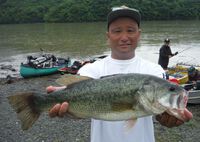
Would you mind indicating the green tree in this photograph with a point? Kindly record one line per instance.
(30, 11)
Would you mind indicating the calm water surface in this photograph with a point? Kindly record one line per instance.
(83, 40)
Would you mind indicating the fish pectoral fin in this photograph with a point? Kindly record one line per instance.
(71, 79)
(121, 106)
(129, 124)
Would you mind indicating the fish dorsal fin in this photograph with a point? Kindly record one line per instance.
(107, 76)
(71, 79)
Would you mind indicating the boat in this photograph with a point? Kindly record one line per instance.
(179, 78)
(73, 69)
(76, 65)
(193, 92)
(44, 65)
(180, 72)
(181, 67)
(194, 97)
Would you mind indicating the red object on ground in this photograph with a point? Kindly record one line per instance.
(68, 70)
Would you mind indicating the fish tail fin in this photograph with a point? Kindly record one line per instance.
(26, 109)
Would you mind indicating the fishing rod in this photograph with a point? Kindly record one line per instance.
(179, 51)
(184, 50)
(187, 63)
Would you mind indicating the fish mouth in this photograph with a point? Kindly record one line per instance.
(175, 100)
(177, 104)
(178, 113)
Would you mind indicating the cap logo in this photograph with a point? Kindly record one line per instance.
(119, 8)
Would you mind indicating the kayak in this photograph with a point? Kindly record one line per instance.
(34, 68)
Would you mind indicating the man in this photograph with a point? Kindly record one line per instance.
(123, 34)
(193, 74)
(164, 54)
(194, 78)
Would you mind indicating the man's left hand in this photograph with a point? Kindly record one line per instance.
(170, 121)
(175, 53)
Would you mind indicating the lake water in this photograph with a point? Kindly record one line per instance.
(84, 40)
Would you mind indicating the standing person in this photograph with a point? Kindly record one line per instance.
(123, 34)
(164, 54)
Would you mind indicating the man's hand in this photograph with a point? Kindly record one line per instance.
(170, 121)
(175, 53)
(50, 89)
(59, 109)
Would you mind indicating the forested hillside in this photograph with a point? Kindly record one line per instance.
(31, 11)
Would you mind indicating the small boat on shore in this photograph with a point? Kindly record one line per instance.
(44, 65)
(76, 65)
(180, 78)
(73, 69)
(194, 97)
(180, 72)
(193, 92)
(182, 68)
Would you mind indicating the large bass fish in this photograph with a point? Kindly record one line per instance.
(112, 98)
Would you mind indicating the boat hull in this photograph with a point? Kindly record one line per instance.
(194, 97)
(26, 71)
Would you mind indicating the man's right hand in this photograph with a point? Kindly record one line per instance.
(59, 109)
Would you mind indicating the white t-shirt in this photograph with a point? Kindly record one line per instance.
(109, 131)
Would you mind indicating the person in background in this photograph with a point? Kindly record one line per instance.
(193, 75)
(123, 34)
(193, 82)
(164, 54)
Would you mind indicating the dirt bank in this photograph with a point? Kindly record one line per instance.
(69, 130)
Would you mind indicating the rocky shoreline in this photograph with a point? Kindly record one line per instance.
(70, 130)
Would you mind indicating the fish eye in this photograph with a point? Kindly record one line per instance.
(171, 88)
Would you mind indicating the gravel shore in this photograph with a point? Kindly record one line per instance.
(70, 130)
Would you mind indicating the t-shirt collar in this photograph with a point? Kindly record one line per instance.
(122, 61)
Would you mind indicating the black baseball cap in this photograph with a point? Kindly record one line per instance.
(167, 40)
(123, 11)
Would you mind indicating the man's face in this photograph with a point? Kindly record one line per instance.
(166, 43)
(123, 36)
